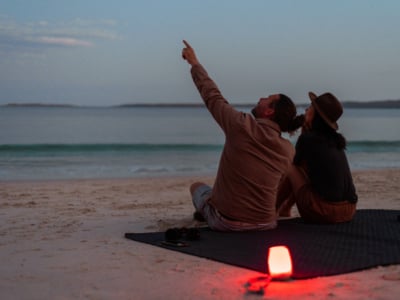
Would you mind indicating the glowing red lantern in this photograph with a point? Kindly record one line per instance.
(279, 263)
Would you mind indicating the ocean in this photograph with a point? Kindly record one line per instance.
(43, 143)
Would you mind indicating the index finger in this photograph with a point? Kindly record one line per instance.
(187, 44)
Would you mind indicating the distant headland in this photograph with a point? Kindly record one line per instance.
(347, 104)
(38, 105)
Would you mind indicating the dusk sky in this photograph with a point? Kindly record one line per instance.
(98, 52)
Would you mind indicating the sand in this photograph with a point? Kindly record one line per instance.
(64, 240)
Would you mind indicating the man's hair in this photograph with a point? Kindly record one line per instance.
(286, 114)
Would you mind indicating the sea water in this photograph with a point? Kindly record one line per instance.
(41, 143)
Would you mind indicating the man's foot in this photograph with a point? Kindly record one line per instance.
(198, 217)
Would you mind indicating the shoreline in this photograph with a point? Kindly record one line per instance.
(207, 175)
(63, 239)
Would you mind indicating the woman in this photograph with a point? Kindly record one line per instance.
(320, 182)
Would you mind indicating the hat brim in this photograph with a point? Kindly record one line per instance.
(313, 97)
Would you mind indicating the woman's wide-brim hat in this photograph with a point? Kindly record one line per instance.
(329, 108)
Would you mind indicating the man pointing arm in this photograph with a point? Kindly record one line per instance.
(254, 159)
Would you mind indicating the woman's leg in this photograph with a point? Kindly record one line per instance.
(284, 199)
(295, 179)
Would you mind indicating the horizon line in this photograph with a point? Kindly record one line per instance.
(347, 103)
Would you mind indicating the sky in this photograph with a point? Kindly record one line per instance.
(98, 52)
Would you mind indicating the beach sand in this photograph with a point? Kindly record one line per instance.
(65, 240)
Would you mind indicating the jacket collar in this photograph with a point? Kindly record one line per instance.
(270, 124)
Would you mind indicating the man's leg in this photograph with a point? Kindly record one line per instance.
(194, 187)
(200, 192)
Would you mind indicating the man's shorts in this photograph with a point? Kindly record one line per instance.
(201, 201)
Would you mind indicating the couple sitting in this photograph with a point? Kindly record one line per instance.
(261, 175)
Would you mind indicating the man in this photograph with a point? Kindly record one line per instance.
(254, 159)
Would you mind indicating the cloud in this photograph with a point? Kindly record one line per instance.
(43, 35)
(63, 41)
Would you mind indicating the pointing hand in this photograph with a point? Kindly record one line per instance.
(189, 55)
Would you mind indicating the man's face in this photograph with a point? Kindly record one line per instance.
(264, 107)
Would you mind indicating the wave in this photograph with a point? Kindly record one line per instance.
(373, 146)
(21, 149)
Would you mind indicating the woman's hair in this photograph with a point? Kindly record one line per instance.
(286, 115)
(320, 126)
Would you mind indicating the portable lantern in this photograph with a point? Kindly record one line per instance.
(279, 263)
